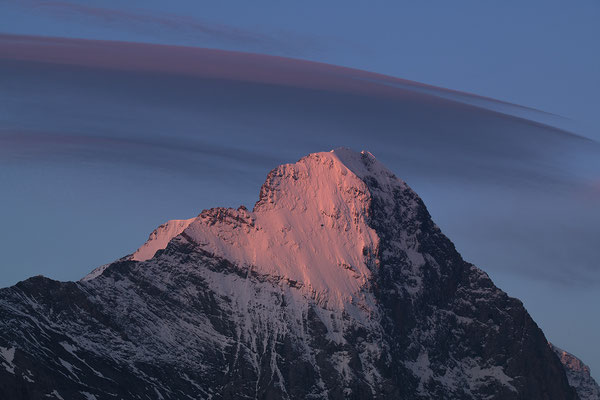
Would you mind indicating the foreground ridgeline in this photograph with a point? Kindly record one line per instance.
(337, 285)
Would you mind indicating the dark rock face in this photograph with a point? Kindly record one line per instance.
(458, 321)
(188, 324)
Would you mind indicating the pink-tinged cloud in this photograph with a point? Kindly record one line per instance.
(147, 95)
(229, 65)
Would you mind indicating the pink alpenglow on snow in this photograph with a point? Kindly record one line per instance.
(160, 237)
(308, 227)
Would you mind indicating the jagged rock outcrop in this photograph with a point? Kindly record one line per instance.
(338, 285)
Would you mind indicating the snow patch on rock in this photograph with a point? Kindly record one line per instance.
(95, 273)
(55, 394)
(8, 353)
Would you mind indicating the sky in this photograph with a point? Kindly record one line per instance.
(117, 117)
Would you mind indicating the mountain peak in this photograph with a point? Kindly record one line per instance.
(361, 164)
(309, 226)
(337, 165)
(338, 285)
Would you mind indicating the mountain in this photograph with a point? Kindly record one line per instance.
(578, 375)
(338, 285)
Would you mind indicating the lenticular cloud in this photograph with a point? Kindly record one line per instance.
(99, 97)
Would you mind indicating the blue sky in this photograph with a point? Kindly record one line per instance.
(93, 157)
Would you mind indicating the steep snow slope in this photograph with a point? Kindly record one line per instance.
(337, 285)
(160, 237)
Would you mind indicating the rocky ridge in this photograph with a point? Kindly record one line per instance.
(337, 285)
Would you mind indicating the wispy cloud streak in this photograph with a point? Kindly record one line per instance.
(187, 28)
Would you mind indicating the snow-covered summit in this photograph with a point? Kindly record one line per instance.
(309, 225)
(362, 164)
